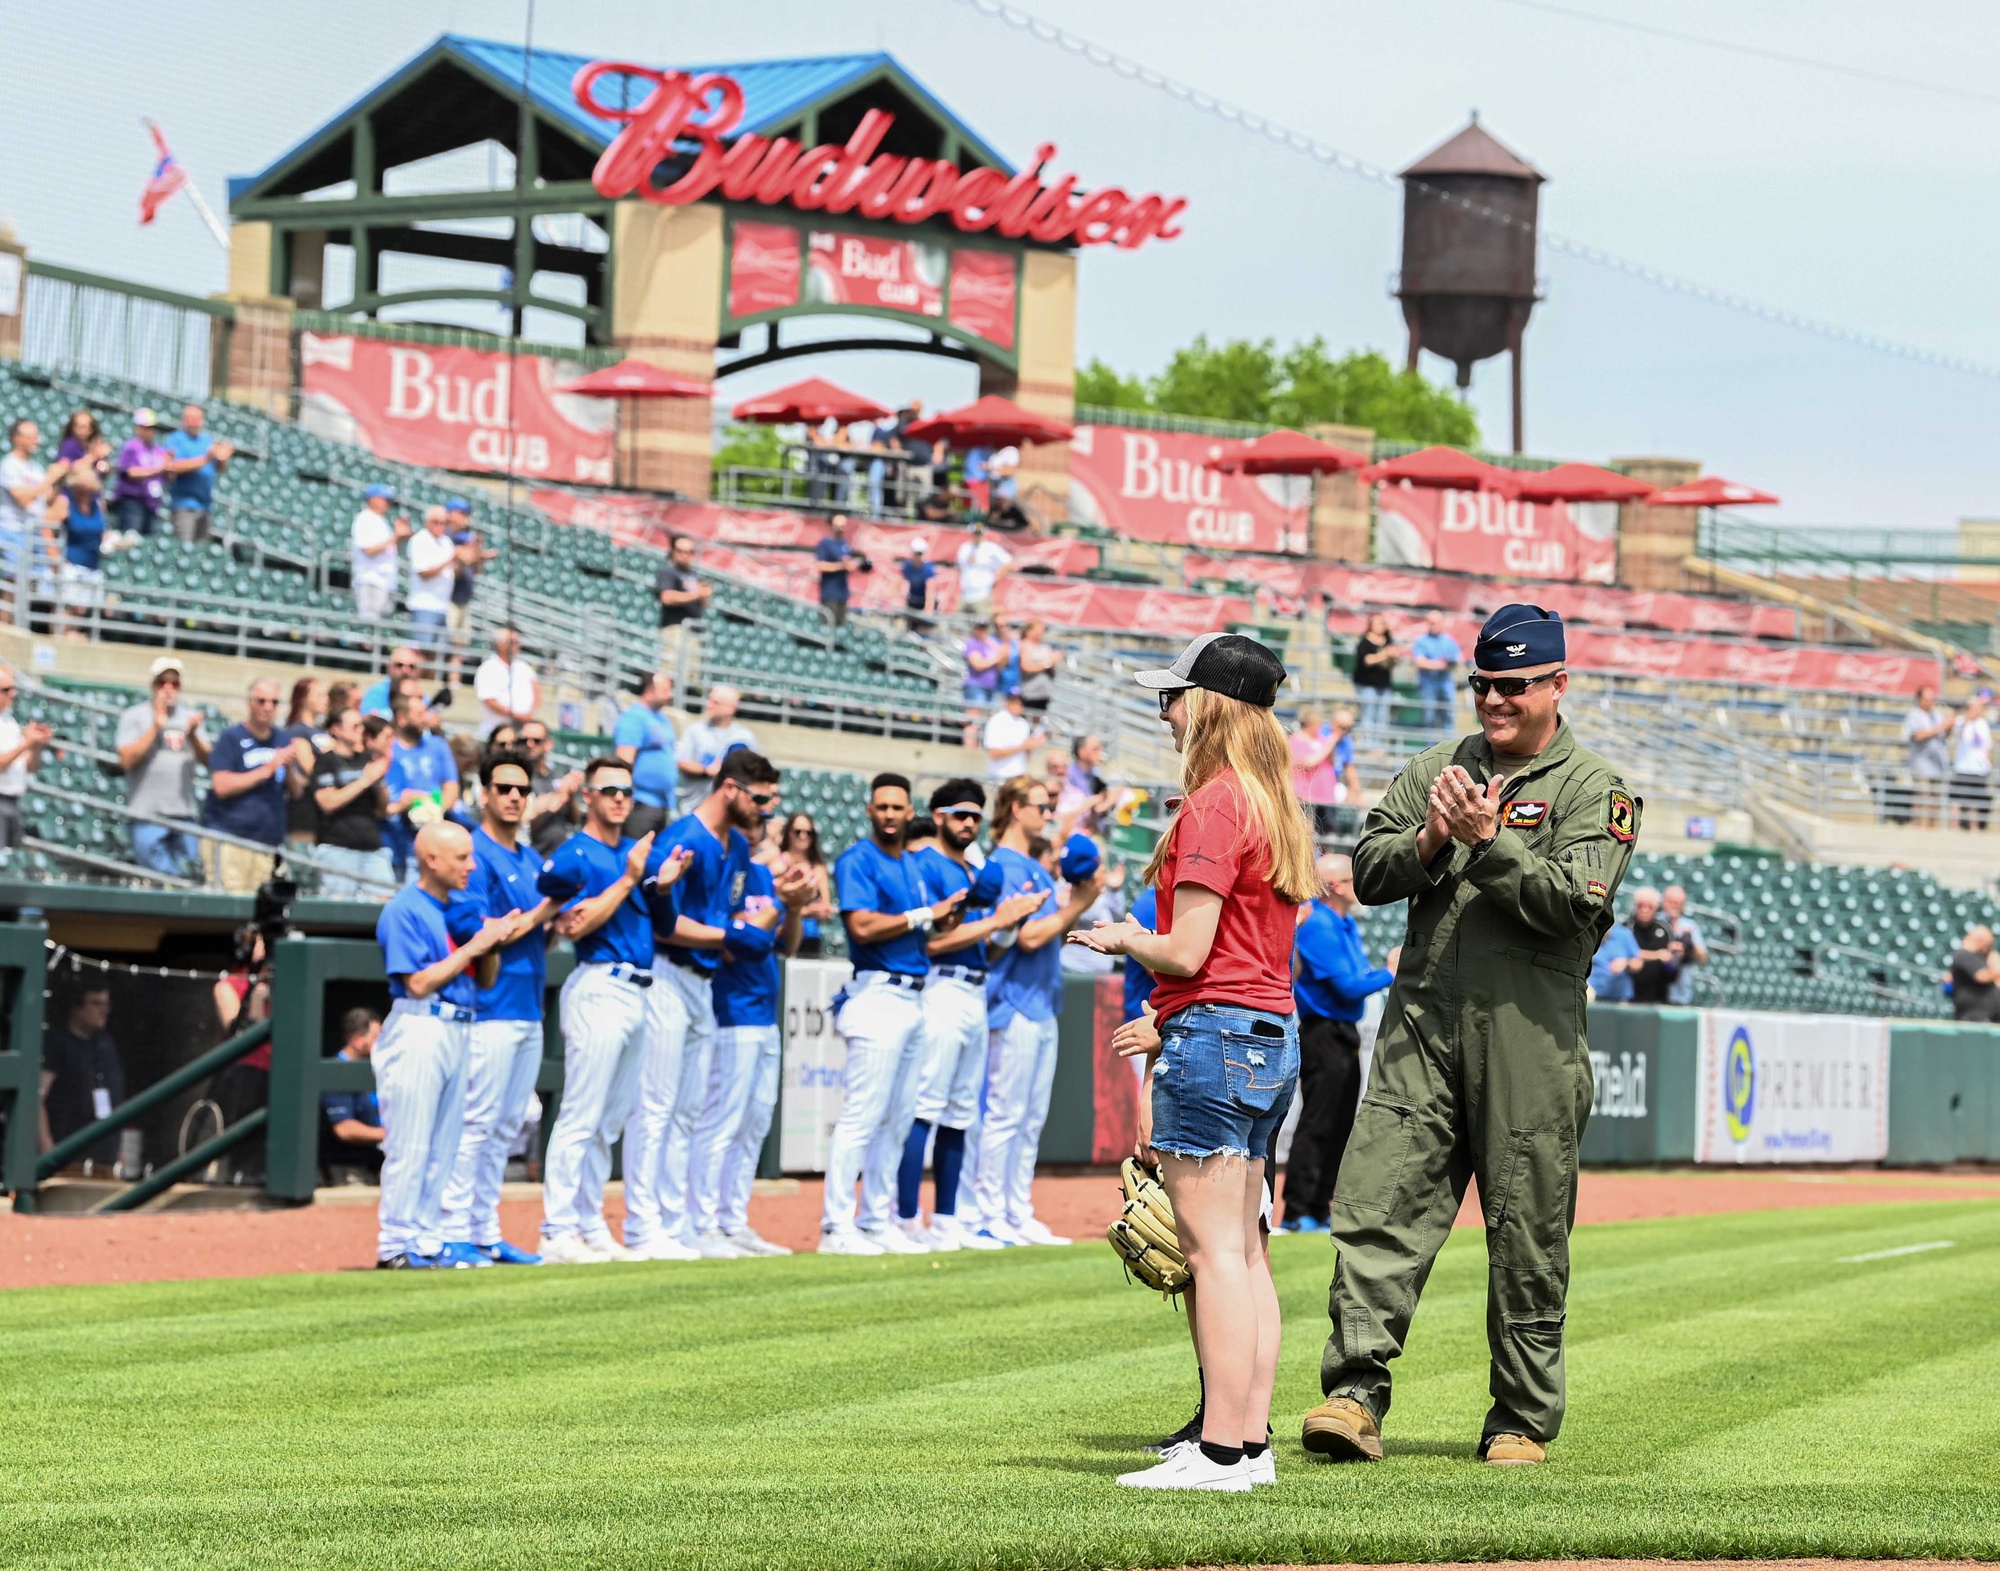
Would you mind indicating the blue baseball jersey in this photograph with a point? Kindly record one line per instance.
(710, 888)
(942, 876)
(416, 930)
(655, 771)
(362, 1106)
(1024, 981)
(867, 878)
(503, 882)
(746, 983)
(1138, 980)
(584, 865)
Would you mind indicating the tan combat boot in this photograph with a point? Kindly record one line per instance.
(1515, 1451)
(1342, 1430)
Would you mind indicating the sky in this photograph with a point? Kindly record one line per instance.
(1863, 202)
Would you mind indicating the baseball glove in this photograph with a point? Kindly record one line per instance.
(1143, 1237)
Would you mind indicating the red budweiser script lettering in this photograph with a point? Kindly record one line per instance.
(705, 110)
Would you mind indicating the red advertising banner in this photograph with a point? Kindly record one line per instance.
(1482, 532)
(448, 408)
(897, 275)
(763, 267)
(1157, 485)
(983, 295)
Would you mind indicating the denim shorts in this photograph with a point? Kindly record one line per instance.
(1225, 1080)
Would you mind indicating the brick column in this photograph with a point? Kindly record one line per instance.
(13, 292)
(1046, 380)
(257, 366)
(666, 301)
(1340, 520)
(1654, 541)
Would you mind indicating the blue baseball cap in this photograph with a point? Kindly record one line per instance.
(458, 504)
(1080, 859)
(987, 885)
(385, 492)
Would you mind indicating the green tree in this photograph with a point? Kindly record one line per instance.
(750, 447)
(1237, 380)
(1098, 384)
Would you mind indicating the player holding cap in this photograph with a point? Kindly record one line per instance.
(507, 1033)
(600, 878)
(880, 1013)
(430, 942)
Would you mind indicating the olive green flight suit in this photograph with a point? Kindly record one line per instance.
(1481, 1069)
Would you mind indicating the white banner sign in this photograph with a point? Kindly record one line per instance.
(814, 1064)
(1792, 1088)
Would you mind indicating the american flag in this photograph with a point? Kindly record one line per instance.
(168, 177)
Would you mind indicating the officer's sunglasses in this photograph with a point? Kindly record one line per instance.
(1506, 686)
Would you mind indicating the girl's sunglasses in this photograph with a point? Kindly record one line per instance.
(1505, 686)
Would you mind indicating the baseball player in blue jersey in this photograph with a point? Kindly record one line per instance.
(430, 942)
(680, 1047)
(1023, 996)
(953, 1069)
(598, 876)
(507, 1028)
(880, 1014)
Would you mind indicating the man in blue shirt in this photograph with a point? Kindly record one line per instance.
(644, 738)
(351, 1138)
(1611, 968)
(403, 662)
(430, 942)
(507, 1034)
(663, 1189)
(1332, 981)
(919, 573)
(1437, 657)
(832, 557)
(246, 789)
(422, 782)
(598, 876)
(953, 1070)
(888, 913)
(194, 462)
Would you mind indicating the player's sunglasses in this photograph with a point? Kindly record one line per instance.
(508, 788)
(1506, 686)
(972, 813)
(611, 790)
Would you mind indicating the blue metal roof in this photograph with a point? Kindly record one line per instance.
(774, 92)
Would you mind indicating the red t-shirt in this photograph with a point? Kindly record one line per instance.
(1217, 843)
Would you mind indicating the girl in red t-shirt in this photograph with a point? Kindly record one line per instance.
(1230, 873)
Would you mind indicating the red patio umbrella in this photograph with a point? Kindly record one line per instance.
(808, 403)
(636, 379)
(1714, 491)
(1442, 469)
(991, 421)
(1580, 483)
(1288, 453)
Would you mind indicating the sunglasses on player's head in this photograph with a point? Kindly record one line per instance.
(1506, 686)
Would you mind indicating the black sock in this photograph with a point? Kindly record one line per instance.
(1255, 1448)
(1222, 1456)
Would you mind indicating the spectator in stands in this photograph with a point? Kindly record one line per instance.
(800, 848)
(644, 740)
(142, 478)
(833, 557)
(919, 573)
(978, 480)
(1039, 659)
(1082, 797)
(985, 655)
(555, 809)
(1975, 977)
(351, 797)
(20, 756)
(83, 527)
(1374, 672)
(1972, 767)
(82, 1080)
(1315, 774)
(1612, 967)
(704, 743)
(875, 444)
(404, 662)
(305, 721)
(506, 685)
(1437, 657)
(83, 448)
(376, 538)
(1927, 730)
(1009, 737)
(911, 479)
(422, 780)
(246, 796)
(465, 753)
(471, 559)
(1691, 948)
(1657, 950)
(26, 491)
(351, 1151)
(195, 460)
(981, 562)
(159, 746)
(683, 606)
(433, 570)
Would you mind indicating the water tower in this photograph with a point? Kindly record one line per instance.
(1468, 279)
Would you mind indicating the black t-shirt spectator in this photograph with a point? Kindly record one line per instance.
(1366, 675)
(674, 581)
(301, 812)
(358, 825)
(547, 831)
(83, 1066)
(1651, 980)
(1972, 999)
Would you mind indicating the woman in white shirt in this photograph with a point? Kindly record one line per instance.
(1972, 767)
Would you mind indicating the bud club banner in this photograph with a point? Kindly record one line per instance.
(1157, 485)
(1481, 532)
(896, 275)
(1792, 1088)
(449, 408)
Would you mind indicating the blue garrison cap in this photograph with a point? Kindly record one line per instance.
(1518, 636)
(987, 885)
(1079, 859)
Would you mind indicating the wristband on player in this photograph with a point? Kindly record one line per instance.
(919, 918)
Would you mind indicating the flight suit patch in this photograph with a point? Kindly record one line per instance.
(1622, 821)
(1596, 888)
(1524, 815)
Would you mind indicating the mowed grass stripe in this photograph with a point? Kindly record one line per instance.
(1733, 1392)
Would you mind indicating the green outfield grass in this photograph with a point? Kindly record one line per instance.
(1734, 1391)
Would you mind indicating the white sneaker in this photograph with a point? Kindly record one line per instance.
(1185, 1467)
(749, 1241)
(1264, 1469)
(892, 1240)
(571, 1249)
(945, 1235)
(849, 1241)
(613, 1250)
(986, 1238)
(1036, 1231)
(666, 1247)
(714, 1244)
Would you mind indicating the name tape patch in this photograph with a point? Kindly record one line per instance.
(1524, 815)
(1623, 820)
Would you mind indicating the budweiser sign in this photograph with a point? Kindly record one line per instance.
(704, 110)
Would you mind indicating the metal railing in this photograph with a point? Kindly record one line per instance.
(79, 321)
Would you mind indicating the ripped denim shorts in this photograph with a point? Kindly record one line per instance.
(1224, 1081)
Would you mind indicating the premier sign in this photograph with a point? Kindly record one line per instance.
(705, 110)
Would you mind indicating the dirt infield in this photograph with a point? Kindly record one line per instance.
(338, 1233)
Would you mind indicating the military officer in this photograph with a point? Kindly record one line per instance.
(1508, 845)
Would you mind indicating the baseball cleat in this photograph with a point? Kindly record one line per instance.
(945, 1235)
(986, 1238)
(1036, 1231)
(393, 1263)
(892, 1240)
(1514, 1451)
(506, 1254)
(666, 1247)
(714, 1244)
(749, 1241)
(571, 1249)
(1187, 1468)
(848, 1241)
(1342, 1430)
(463, 1254)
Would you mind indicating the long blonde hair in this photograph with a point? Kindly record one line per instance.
(1226, 733)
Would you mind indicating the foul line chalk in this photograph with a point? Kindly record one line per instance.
(1886, 1254)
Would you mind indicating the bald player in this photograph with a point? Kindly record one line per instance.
(430, 945)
